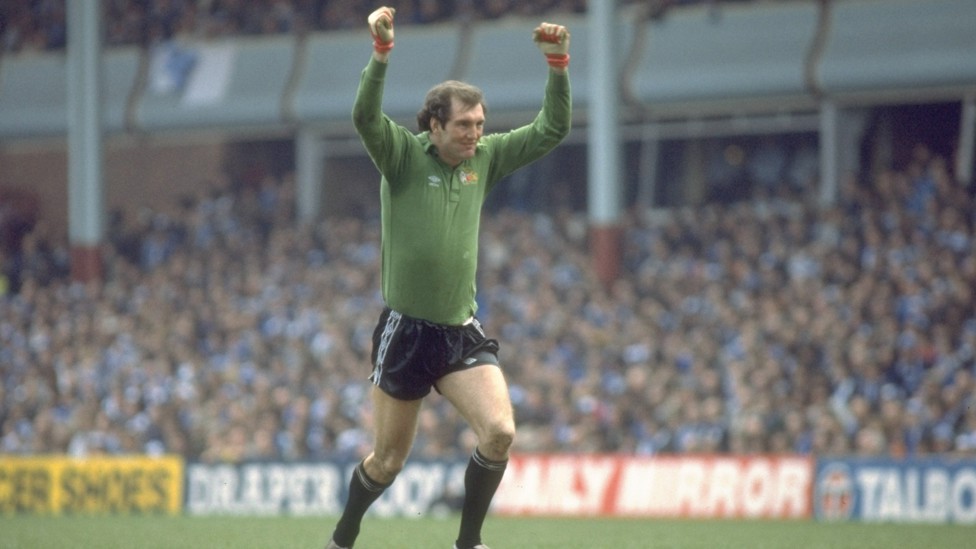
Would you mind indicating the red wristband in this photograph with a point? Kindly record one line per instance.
(379, 45)
(558, 60)
(382, 47)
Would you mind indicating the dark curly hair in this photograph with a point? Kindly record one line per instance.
(437, 104)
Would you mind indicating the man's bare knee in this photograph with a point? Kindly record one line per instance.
(384, 468)
(498, 440)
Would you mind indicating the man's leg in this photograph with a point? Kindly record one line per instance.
(395, 425)
(481, 396)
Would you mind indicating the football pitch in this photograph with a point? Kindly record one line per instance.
(148, 532)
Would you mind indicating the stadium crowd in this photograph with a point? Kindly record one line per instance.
(223, 330)
(40, 25)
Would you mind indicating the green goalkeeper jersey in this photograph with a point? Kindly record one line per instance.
(431, 211)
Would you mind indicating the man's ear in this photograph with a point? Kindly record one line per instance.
(435, 125)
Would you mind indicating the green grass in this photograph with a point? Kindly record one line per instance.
(108, 532)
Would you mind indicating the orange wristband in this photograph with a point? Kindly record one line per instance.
(558, 60)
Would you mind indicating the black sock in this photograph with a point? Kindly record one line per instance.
(481, 480)
(363, 491)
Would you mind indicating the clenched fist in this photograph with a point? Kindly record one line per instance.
(381, 27)
(553, 40)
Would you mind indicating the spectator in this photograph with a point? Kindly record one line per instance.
(752, 327)
(41, 25)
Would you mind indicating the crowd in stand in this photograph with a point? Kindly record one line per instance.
(223, 330)
(39, 25)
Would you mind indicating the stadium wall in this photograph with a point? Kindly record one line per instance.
(767, 56)
(138, 172)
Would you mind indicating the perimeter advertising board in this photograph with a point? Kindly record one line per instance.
(678, 486)
(781, 487)
(304, 489)
(65, 485)
(883, 490)
(566, 485)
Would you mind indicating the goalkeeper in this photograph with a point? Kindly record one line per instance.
(433, 185)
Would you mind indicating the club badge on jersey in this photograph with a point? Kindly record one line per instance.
(468, 177)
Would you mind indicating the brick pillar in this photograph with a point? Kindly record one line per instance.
(605, 251)
(86, 263)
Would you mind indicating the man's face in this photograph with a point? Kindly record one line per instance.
(457, 139)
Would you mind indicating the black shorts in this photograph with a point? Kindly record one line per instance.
(410, 354)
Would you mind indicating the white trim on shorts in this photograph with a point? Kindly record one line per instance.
(392, 323)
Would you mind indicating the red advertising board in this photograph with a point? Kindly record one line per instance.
(657, 486)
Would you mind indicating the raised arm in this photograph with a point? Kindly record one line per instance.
(532, 141)
(373, 127)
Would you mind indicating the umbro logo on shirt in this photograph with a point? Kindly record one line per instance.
(433, 181)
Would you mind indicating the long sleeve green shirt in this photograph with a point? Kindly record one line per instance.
(431, 211)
